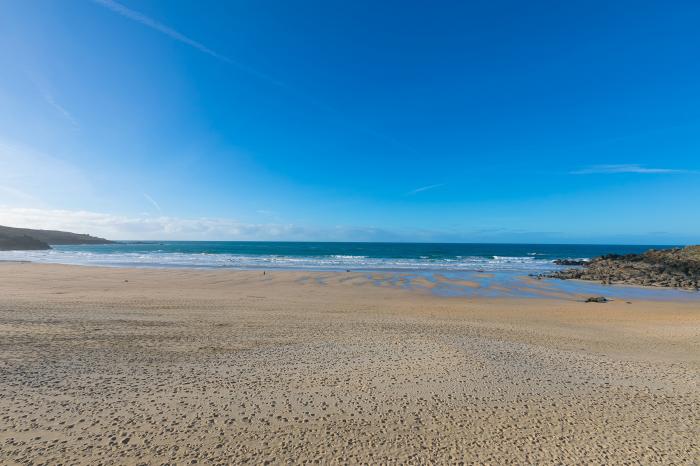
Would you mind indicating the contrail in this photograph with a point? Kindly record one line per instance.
(65, 113)
(625, 168)
(152, 201)
(178, 36)
(425, 188)
(43, 89)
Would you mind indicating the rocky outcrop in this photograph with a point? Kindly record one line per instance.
(677, 268)
(21, 243)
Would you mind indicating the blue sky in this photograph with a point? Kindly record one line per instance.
(321, 120)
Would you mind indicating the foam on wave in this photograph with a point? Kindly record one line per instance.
(237, 261)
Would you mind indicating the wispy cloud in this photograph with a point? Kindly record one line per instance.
(425, 188)
(162, 227)
(139, 226)
(153, 202)
(625, 168)
(147, 227)
(178, 36)
(16, 194)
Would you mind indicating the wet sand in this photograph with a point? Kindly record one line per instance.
(126, 366)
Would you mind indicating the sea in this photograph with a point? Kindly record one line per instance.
(325, 256)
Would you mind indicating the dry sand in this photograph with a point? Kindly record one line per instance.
(220, 367)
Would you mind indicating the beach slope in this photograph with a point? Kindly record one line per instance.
(125, 366)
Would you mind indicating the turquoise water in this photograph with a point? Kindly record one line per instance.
(530, 258)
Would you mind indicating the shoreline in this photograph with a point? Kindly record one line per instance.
(462, 284)
(146, 366)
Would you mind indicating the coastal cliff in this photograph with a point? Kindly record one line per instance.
(27, 239)
(676, 268)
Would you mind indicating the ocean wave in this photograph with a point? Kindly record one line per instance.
(158, 259)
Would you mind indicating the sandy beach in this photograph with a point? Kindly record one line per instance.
(138, 366)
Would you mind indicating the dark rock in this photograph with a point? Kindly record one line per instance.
(570, 262)
(597, 299)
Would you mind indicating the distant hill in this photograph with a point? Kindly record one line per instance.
(28, 239)
(21, 243)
